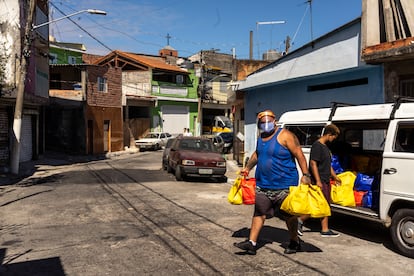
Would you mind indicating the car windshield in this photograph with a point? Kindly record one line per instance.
(196, 144)
(151, 135)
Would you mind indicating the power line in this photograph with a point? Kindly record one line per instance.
(80, 27)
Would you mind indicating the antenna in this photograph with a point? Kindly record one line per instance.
(257, 30)
(311, 19)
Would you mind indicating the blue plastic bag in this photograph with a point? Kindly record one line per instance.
(367, 200)
(363, 182)
(336, 165)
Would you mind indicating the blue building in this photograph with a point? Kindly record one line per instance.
(328, 69)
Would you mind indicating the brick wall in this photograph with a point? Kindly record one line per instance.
(113, 96)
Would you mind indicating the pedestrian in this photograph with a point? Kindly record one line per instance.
(321, 171)
(274, 158)
(187, 132)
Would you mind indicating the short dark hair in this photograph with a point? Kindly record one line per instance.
(332, 130)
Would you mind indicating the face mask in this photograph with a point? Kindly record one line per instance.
(267, 127)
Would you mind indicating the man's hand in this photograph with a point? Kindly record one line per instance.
(305, 180)
(244, 172)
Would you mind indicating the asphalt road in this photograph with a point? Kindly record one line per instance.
(126, 216)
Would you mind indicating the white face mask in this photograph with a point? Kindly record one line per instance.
(267, 127)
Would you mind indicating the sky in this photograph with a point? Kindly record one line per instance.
(142, 26)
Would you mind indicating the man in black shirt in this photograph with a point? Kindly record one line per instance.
(322, 171)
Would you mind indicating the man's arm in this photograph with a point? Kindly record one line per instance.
(250, 164)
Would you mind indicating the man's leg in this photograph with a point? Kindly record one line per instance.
(292, 225)
(257, 224)
(250, 245)
(294, 244)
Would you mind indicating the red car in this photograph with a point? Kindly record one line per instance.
(195, 156)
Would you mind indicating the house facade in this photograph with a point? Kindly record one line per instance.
(85, 111)
(36, 87)
(156, 95)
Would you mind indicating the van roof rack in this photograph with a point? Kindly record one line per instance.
(397, 102)
(334, 106)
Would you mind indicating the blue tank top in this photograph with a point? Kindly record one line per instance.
(276, 166)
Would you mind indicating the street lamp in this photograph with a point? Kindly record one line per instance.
(91, 11)
(17, 122)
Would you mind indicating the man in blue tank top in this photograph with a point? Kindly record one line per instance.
(277, 150)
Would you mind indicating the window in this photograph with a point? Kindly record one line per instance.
(102, 84)
(179, 79)
(336, 85)
(407, 87)
(307, 135)
(53, 58)
(405, 138)
(71, 60)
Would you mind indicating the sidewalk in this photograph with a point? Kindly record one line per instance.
(36, 169)
(50, 160)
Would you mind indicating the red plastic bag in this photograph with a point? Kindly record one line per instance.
(248, 186)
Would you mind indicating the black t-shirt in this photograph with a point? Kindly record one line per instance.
(322, 155)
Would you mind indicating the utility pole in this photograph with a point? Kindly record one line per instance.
(24, 60)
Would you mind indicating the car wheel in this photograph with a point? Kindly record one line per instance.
(178, 175)
(402, 231)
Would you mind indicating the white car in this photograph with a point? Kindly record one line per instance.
(153, 141)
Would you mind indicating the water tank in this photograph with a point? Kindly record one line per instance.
(271, 55)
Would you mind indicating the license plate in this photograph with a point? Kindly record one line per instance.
(205, 171)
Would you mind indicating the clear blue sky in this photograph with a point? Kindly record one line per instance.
(141, 26)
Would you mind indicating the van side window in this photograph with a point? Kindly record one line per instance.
(404, 141)
(307, 135)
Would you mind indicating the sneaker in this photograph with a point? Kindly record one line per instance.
(247, 246)
(293, 247)
(300, 228)
(329, 234)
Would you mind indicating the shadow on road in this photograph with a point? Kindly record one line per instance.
(270, 234)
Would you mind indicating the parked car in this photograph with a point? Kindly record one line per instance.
(228, 141)
(166, 153)
(195, 156)
(153, 141)
(218, 142)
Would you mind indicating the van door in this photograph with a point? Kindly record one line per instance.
(397, 187)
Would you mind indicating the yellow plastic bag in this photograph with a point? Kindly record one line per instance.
(235, 194)
(344, 194)
(319, 207)
(297, 202)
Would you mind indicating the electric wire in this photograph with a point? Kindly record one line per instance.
(83, 29)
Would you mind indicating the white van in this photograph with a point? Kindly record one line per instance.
(376, 140)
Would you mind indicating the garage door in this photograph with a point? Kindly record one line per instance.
(175, 118)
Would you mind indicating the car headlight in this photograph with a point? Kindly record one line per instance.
(188, 162)
(221, 164)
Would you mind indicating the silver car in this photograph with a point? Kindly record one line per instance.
(153, 141)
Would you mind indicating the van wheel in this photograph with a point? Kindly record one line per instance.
(178, 175)
(402, 231)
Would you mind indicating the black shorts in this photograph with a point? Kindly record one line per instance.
(326, 190)
(268, 203)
